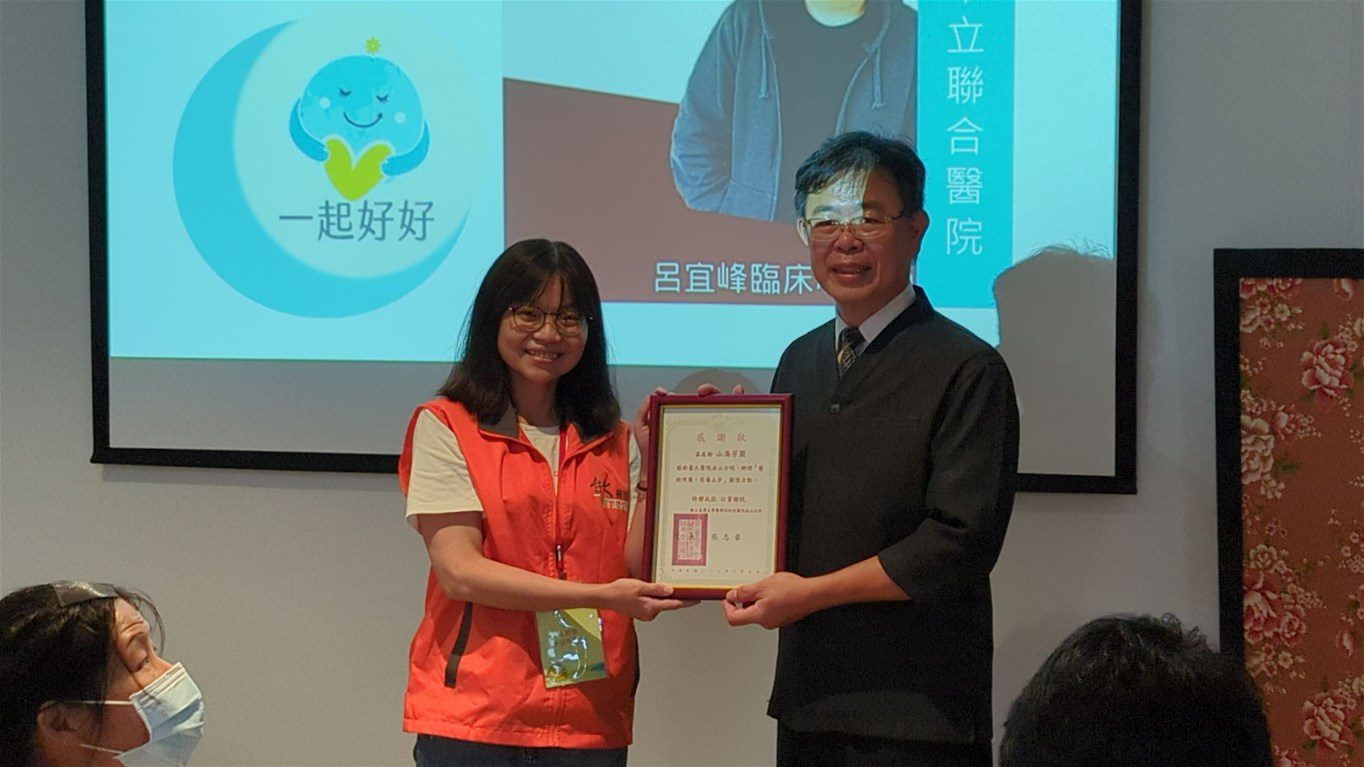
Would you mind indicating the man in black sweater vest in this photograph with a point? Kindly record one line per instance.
(904, 453)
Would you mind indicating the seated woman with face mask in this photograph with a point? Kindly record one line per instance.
(83, 685)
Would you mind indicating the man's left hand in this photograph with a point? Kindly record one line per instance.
(774, 601)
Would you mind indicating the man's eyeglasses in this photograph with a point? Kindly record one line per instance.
(863, 227)
(529, 318)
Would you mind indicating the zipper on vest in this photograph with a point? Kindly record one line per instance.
(555, 478)
(559, 700)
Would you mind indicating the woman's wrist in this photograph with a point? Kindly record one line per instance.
(602, 596)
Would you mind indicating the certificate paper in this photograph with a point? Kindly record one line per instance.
(717, 503)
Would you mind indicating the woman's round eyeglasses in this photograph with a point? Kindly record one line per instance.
(529, 318)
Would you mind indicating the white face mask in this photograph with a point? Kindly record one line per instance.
(173, 710)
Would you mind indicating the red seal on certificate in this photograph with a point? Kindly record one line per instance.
(689, 539)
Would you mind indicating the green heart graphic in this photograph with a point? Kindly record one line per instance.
(354, 180)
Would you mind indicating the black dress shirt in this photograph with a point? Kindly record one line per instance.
(911, 457)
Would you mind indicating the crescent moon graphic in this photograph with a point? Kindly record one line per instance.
(228, 235)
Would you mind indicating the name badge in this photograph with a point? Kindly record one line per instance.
(570, 646)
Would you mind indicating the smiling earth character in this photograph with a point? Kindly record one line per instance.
(361, 117)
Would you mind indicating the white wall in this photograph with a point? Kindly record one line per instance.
(292, 596)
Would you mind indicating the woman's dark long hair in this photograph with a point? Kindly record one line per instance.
(52, 653)
(583, 396)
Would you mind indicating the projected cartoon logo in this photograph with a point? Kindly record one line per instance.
(388, 203)
(361, 117)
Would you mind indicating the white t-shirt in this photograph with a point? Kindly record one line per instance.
(440, 481)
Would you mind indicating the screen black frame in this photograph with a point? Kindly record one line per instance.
(1122, 481)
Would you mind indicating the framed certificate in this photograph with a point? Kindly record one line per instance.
(717, 502)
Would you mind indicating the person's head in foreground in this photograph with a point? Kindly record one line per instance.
(1133, 691)
(82, 685)
(535, 335)
(860, 200)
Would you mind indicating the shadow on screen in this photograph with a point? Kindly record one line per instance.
(1056, 331)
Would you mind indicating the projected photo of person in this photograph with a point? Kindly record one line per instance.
(774, 80)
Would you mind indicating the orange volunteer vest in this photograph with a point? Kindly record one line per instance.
(475, 671)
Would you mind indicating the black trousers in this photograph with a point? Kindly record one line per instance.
(432, 751)
(836, 749)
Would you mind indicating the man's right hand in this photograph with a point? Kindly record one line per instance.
(772, 602)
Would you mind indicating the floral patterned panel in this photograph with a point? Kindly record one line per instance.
(1302, 506)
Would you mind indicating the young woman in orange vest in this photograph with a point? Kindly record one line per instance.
(521, 478)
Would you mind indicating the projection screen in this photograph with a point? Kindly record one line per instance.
(292, 203)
